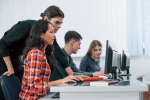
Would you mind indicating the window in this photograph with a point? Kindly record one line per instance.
(138, 27)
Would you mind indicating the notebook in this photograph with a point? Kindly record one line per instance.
(102, 83)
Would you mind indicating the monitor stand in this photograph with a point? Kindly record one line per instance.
(127, 68)
(127, 72)
(114, 73)
(115, 76)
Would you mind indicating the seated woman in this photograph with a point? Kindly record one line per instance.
(91, 62)
(37, 62)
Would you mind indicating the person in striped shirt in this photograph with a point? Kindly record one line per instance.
(37, 62)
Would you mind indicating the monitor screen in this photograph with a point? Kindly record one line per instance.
(114, 58)
(125, 60)
(119, 61)
(110, 47)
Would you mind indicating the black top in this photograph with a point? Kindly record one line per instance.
(74, 68)
(89, 65)
(60, 73)
(14, 38)
(60, 56)
(14, 41)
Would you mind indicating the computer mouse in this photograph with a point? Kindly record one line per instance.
(79, 81)
(104, 77)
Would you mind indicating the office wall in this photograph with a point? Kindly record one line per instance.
(138, 65)
(93, 19)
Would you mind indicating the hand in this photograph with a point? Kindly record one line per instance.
(70, 78)
(9, 66)
(83, 76)
(97, 74)
(66, 84)
(108, 75)
(9, 72)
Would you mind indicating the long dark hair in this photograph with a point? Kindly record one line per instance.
(34, 40)
(52, 11)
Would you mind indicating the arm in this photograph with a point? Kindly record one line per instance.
(90, 74)
(76, 71)
(69, 71)
(11, 37)
(99, 73)
(9, 66)
(35, 61)
(83, 64)
(60, 56)
(73, 65)
(70, 78)
(84, 73)
(33, 71)
(96, 74)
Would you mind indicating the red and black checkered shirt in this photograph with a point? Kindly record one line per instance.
(36, 75)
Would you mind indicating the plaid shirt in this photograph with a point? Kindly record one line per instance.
(36, 75)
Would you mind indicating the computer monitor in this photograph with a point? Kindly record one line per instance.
(110, 47)
(125, 61)
(114, 59)
(114, 64)
(119, 63)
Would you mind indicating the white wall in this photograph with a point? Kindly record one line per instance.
(138, 65)
(93, 19)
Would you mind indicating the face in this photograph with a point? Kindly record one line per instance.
(97, 51)
(75, 46)
(49, 36)
(56, 22)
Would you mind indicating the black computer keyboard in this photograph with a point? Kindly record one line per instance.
(56, 95)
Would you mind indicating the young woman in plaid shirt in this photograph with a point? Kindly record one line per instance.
(13, 42)
(37, 62)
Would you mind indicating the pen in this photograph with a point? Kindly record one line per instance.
(102, 68)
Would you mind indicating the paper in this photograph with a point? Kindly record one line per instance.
(99, 83)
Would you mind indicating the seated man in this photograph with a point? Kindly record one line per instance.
(72, 44)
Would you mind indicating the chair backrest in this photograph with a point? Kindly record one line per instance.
(11, 87)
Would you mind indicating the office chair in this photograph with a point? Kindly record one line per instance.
(11, 87)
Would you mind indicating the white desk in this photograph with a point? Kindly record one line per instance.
(145, 78)
(140, 77)
(130, 91)
(48, 97)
